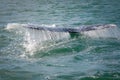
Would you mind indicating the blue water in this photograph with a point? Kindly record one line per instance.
(77, 58)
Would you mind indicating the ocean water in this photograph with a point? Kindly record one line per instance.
(38, 55)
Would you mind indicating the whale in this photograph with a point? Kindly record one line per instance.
(93, 31)
(79, 29)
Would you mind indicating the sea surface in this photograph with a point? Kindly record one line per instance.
(71, 58)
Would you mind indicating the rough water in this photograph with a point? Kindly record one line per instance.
(27, 54)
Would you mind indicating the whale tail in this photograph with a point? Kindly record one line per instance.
(71, 29)
(94, 31)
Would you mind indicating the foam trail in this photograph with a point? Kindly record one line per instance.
(110, 32)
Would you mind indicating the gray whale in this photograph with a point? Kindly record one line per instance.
(71, 29)
(93, 31)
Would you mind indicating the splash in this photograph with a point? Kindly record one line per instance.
(37, 39)
(34, 40)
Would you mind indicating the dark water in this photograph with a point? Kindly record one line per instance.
(78, 58)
